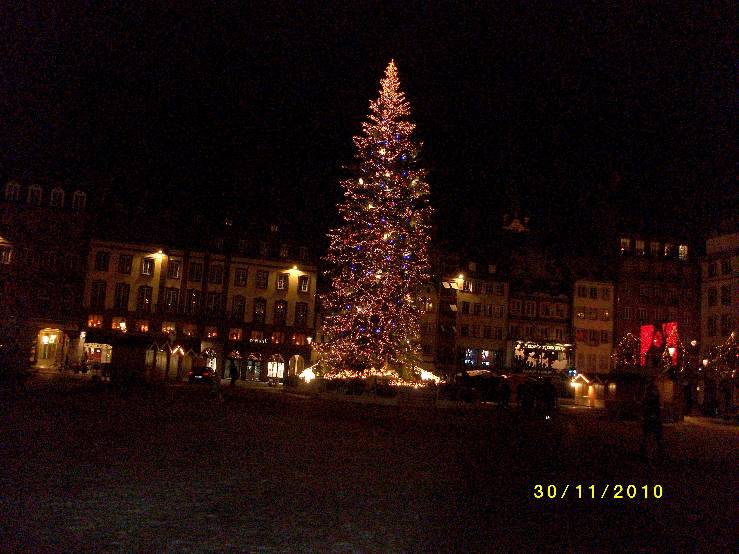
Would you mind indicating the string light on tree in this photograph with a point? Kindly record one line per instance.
(378, 257)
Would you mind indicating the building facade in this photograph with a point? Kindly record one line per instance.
(43, 245)
(719, 290)
(592, 316)
(657, 294)
(253, 315)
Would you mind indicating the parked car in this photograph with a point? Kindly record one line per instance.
(202, 374)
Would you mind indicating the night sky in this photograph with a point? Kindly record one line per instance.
(559, 107)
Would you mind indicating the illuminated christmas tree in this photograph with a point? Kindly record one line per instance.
(378, 257)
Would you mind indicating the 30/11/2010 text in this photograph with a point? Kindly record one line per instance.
(596, 492)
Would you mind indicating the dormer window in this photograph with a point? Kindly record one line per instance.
(57, 198)
(79, 200)
(34, 195)
(12, 191)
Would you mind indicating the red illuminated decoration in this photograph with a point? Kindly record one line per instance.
(656, 340)
(378, 257)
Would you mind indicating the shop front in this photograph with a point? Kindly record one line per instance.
(543, 358)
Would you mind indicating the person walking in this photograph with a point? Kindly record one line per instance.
(652, 422)
(505, 394)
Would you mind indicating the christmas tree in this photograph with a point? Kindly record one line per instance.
(378, 257)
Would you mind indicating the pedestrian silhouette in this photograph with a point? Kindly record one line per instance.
(505, 394)
(652, 423)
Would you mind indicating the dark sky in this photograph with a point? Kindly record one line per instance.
(542, 103)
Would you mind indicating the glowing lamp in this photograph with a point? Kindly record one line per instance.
(671, 350)
(705, 362)
(160, 252)
(307, 375)
(693, 342)
(295, 267)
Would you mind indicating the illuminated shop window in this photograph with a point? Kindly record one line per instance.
(95, 320)
(470, 357)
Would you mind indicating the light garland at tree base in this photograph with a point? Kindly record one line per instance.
(425, 378)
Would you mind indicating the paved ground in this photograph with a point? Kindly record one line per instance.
(87, 469)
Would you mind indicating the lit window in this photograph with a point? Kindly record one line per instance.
(682, 252)
(278, 337)
(282, 281)
(256, 336)
(147, 266)
(625, 244)
(211, 332)
(143, 326)
(234, 334)
(262, 278)
(168, 328)
(470, 357)
(640, 247)
(304, 283)
(119, 324)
